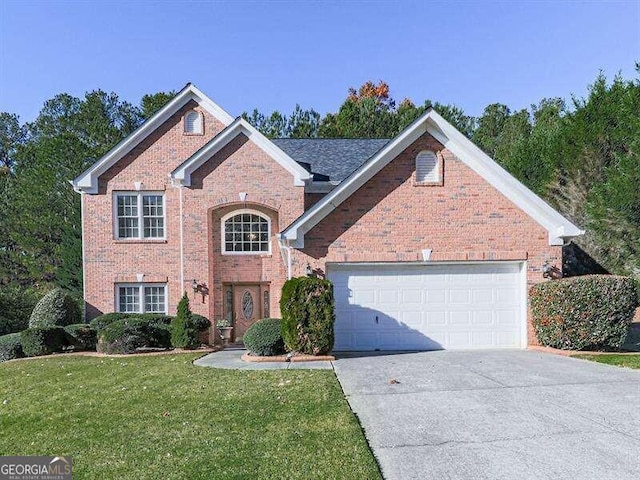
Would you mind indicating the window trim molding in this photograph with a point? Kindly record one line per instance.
(141, 286)
(200, 120)
(240, 211)
(140, 237)
(439, 166)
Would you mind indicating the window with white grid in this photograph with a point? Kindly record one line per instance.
(141, 298)
(246, 233)
(128, 216)
(154, 300)
(153, 216)
(139, 215)
(128, 299)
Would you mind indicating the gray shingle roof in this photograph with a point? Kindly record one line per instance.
(334, 157)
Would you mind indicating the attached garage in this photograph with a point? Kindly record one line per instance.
(405, 306)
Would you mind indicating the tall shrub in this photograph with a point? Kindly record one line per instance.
(591, 312)
(307, 308)
(56, 308)
(184, 332)
(16, 305)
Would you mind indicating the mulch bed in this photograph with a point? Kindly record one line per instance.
(284, 358)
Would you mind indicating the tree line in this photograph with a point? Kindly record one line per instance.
(581, 155)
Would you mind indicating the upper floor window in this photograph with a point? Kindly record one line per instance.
(139, 215)
(141, 298)
(427, 167)
(246, 232)
(193, 122)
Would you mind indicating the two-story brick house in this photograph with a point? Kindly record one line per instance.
(429, 243)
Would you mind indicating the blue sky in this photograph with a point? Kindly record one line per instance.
(272, 55)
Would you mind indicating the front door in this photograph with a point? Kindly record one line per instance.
(246, 308)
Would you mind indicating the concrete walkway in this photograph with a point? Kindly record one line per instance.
(229, 358)
(496, 415)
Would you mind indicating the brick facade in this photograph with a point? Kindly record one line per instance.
(389, 219)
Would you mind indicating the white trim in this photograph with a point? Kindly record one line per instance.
(84, 264)
(139, 194)
(182, 275)
(524, 310)
(88, 180)
(182, 174)
(241, 211)
(140, 286)
(559, 228)
(198, 124)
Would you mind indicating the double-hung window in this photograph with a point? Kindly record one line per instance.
(141, 298)
(139, 215)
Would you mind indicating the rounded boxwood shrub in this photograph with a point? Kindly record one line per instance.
(308, 315)
(201, 322)
(591, 312)
(10, 347)
(56, 308)
(184, 333)
(42, 340)
(264, 338)
(81, 336)
(102, 321)
(129, 334)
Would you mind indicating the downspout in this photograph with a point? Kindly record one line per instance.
(285, 251)
(84, 273)
(180, 188)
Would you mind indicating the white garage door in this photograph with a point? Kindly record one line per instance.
(428, 307)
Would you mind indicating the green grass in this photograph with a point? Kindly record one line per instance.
(162, 417)
(619, 360)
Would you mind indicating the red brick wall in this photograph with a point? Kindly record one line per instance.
(108, 261)
(391, 219)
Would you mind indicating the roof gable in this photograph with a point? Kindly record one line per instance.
(182, 174)
(87, 182)
(558, 227)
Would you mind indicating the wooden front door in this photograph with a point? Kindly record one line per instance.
(247, 308)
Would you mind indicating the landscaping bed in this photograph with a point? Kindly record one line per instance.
(159, 416)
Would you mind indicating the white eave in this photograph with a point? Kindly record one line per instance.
(87, 182)
(182, 174)
(560, 229)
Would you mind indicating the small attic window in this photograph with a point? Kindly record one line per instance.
(428, 168)
(193, 123)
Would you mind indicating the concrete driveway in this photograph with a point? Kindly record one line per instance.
(496, 415)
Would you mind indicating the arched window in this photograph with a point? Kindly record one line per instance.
(193, 122)
(427, 167)
(246, 232)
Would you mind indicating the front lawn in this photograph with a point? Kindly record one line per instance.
(619, 360)
(162, 417)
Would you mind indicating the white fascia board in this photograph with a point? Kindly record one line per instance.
(558, 226)
(182, 174)
(88, 180)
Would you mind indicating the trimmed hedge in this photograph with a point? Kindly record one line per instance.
(591, 312)
(129, 334)
(264, 338)
(16, 305)
(307, 308)
(42, 340)
(103, 321)
(56, 308)
(10, 347)
(201, 322)
(81, 336)
(184, 333)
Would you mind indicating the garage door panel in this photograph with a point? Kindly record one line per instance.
(428, 307)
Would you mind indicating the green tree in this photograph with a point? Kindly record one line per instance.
(184, 333)
(489, 127)
(151, 103)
